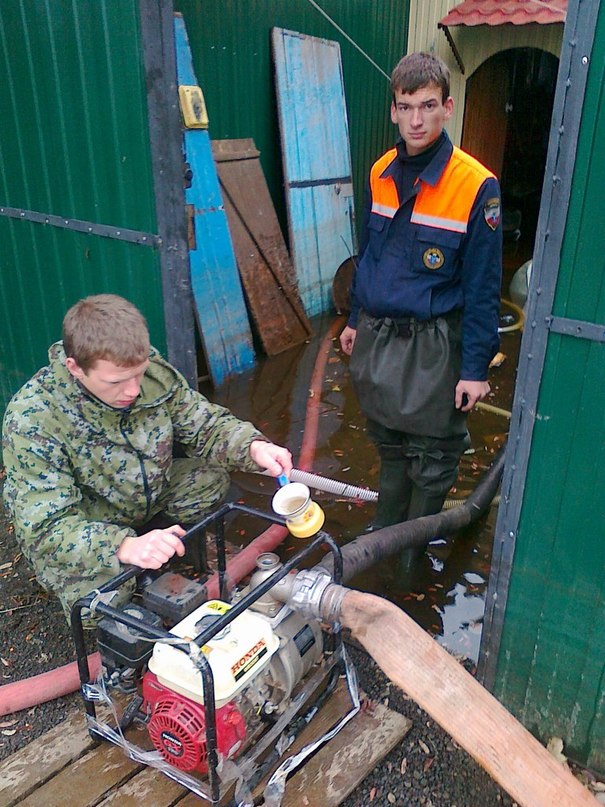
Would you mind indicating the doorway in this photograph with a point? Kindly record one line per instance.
(508, 109)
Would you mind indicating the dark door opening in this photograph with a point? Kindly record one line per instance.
(508, 109)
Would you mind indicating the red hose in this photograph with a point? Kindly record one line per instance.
(244, 562)
(63, 680)
(44, 687)
(309, 441)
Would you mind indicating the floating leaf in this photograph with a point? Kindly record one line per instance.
(498, 360)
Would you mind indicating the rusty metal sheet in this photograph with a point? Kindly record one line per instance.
(265, 268)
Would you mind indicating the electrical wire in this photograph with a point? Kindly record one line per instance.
(348, 38)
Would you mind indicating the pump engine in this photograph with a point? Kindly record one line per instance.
(213, 692)
(256, 661)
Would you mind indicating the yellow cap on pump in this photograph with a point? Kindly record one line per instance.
(303, 516)
(309, 523)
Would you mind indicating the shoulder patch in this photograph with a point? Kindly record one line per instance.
(491, 213)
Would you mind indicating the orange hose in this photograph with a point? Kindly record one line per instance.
(309, 442)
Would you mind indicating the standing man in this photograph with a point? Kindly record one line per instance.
(89, 445)
(425, 298)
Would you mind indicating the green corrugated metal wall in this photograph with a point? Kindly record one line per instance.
(74, 142)
(230, 42)
(550, 670)
(75, 139)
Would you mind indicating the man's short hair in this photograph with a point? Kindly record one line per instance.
(418, 70)
(105, 326)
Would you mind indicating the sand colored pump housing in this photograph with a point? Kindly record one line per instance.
(235, 655)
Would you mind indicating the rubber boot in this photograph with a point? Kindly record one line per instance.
(421, 504)
(424, 504)
(394, 493)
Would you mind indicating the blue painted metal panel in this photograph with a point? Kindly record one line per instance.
(317, 161)
(215, 282)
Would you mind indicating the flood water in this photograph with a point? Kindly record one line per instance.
(444, 591)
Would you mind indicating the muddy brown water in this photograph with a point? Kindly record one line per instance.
(445, 589)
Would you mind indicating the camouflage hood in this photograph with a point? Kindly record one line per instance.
(159, 383)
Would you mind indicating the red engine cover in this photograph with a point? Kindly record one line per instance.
(177, 727)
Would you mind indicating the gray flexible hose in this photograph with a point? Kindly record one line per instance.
(333, 486)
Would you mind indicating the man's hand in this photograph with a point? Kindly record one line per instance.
(347, 339)
(153, 549)
(469, 392)
(275, 459)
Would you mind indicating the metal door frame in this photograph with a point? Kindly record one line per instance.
(159, 57)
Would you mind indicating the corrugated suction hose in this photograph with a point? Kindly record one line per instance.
(333, 486)
(366, 550)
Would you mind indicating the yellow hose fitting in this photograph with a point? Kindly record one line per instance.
(304, 517)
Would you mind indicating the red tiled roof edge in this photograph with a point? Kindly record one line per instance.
(500, 12)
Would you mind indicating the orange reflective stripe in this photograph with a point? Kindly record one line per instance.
(448, 205)
(385, 200)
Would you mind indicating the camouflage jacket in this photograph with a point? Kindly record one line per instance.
(81, 474)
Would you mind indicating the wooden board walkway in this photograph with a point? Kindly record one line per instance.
(65, 766)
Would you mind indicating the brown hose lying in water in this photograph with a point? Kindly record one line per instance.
(468, 712)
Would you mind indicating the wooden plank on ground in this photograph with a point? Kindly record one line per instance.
(149, 788)
(264, 264)
(64, 767)
(28, 768)
(87, 780)
(338, 767)
(336, 770)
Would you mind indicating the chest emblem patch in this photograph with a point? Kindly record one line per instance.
(433, 258)
(491, 211)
